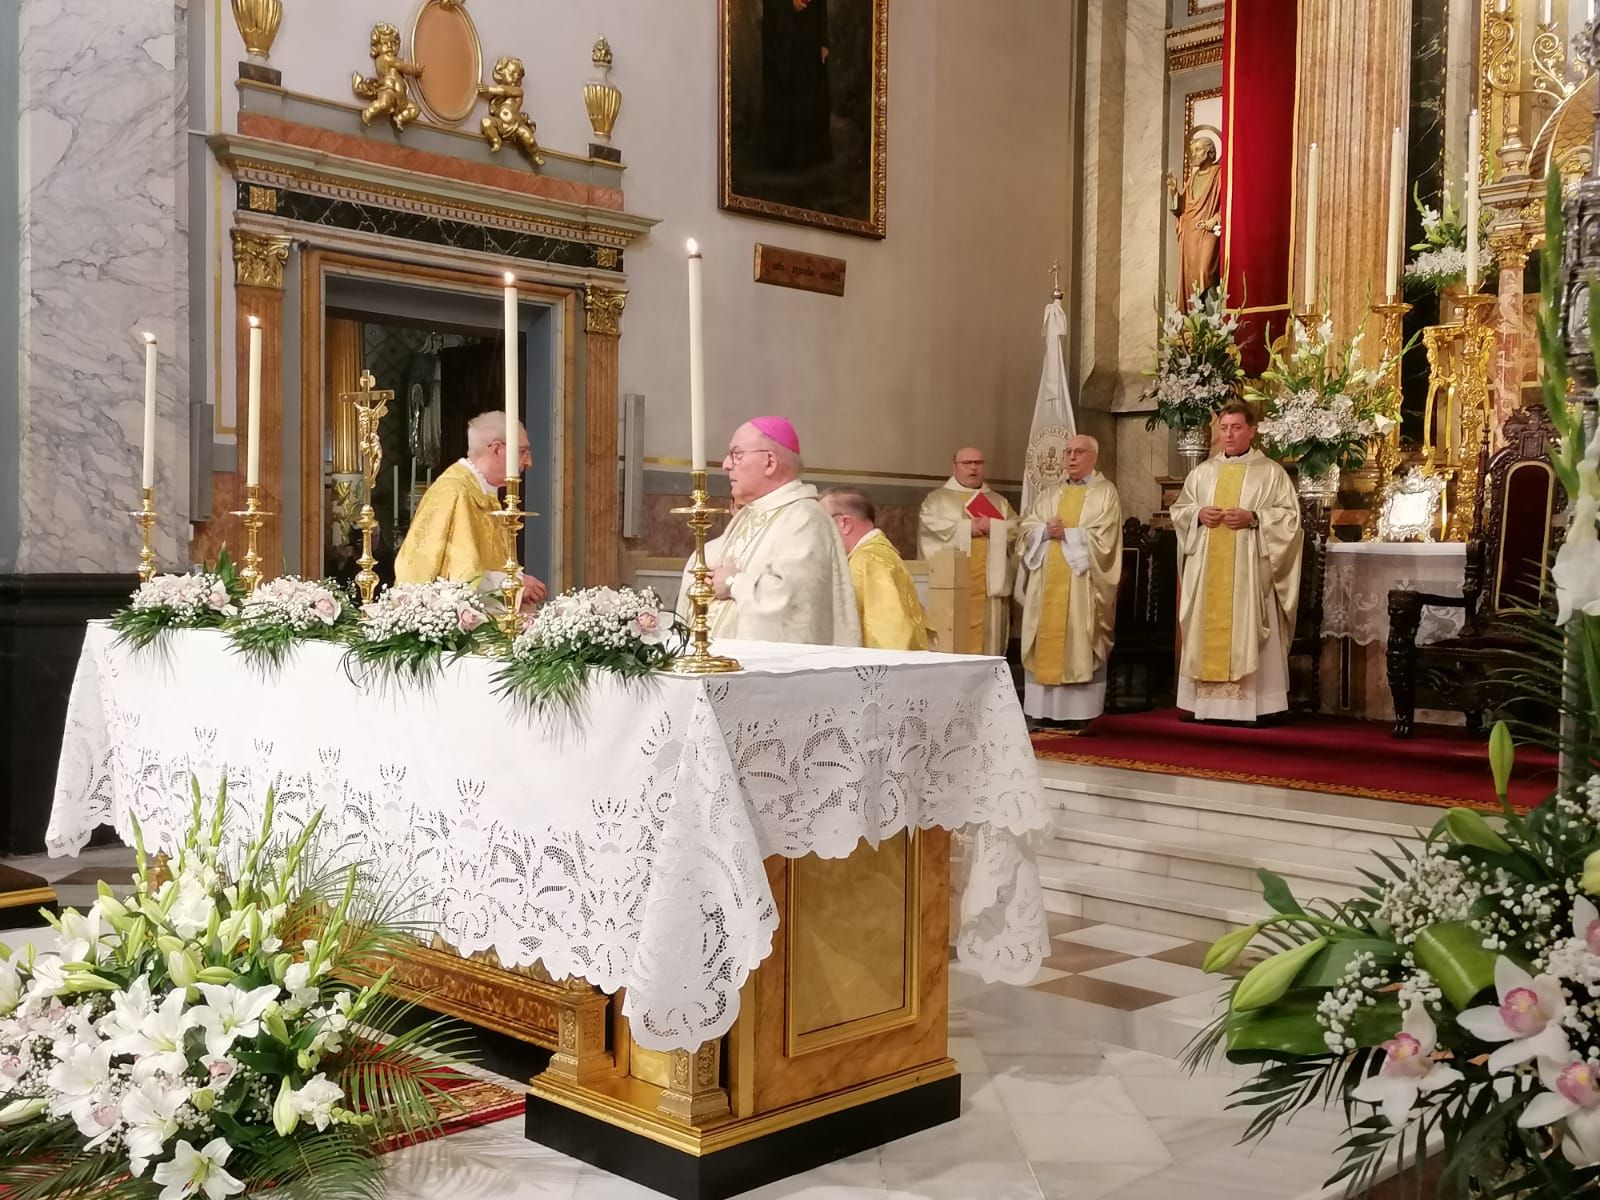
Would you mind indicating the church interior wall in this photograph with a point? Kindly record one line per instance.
(10, 415)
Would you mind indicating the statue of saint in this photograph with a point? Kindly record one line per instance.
(1196, 206)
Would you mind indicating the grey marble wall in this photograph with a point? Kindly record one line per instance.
(103, 255)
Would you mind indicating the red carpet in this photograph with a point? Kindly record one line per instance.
(471, 1102)
(1439, 766)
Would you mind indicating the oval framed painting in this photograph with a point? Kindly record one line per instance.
(444, 42)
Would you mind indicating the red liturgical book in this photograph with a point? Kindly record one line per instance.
(981, 506)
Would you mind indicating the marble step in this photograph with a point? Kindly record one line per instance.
(1139, 900)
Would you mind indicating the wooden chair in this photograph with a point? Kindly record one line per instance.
(1141, 670)
(1306, 643)
(1515, 537)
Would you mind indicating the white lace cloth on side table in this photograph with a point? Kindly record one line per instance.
(1360, 575)
(628, 852)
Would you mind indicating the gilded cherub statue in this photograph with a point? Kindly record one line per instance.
(506, 121)
(388, 90)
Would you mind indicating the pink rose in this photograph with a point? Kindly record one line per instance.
(468, 618)
(218, 598)
(326, 608)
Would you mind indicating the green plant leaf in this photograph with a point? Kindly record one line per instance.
(1276, 892)
(1334, 962)
(1452, 952)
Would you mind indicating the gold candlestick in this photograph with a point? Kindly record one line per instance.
(511, 590)
(146, 516)
(1308, 319)
(1386, 451)
(1475, 396)
(700, 660)
(252, 517)
(370, 405)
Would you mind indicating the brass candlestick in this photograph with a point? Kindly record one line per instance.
(1386, 451)
(1475, 398)
(146, 516)
(511, 590)
(1308, 319)
(700, 660)
(370, 405)
(252, 517)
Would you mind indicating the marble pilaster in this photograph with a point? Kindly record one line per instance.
(103, 255)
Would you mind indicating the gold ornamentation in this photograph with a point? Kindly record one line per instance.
(253, 517)
(1476, 406)
(261, 199)
(457, 58)
(1550, 64)
(1196, 46)
(603, 309)
(602, 99)
(1509, 245)
(700, 660)
(259, 259)
(146, 516)
(607, 257)
(693, 1095)
(511, 516)
(371, 406)
(258, 22)
(1385, 449)
(506, 121)
(388, 89)
(1501, 67)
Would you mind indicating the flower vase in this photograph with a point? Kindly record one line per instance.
(1193, 446)
(1321, 488)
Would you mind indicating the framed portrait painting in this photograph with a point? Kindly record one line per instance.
(804, 111)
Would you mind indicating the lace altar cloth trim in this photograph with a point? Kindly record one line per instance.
(626, 850)
(1355, 594)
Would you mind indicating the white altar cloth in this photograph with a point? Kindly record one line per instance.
(627, 851)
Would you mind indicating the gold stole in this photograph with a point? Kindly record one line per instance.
(1050, 647)
(1216, 590)
(973, 642)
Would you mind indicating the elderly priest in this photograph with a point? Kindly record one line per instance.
(886, 596)
(778, 571)
(454, 534)
(1238, 524)
(967, 515)
(1072, 547)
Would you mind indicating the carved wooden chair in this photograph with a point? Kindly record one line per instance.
(1141, 670)
(1306, 643)
(1516, 533)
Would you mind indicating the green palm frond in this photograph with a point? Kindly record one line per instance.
(336, 1164)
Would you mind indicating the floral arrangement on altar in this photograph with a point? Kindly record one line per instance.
(410, 629)
(622, 631)
(195, 1037)
(1197, 362)
(1321, 406)
(1441, 258)
(1456, 1000)
(202, 601)
(283, 612)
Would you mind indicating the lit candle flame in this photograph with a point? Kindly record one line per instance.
(694, 248)
(254, 321)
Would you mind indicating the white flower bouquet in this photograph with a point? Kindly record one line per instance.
(411, 628)
(622, 631)
(203, 601)
(1441, 258)
(285, 611)
(1197, 362)
(195, 1037)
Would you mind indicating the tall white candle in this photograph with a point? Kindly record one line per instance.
(1544, 13)
(513, 405)
(1309, 294)
(394, 500)
(1473, 133)
(1397, 217)
(697, 362)
(148, 475)
(252, 475)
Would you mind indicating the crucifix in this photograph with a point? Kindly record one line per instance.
(370, 406)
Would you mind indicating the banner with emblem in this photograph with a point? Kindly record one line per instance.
(1053, 422)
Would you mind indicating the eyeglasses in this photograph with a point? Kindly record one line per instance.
(969, 462)
(735, 455)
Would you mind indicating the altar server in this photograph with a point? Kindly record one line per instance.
(454, 534)
(1238, 525)
(1072, 546)
(779, 571)
(969, 516)
(892, 617)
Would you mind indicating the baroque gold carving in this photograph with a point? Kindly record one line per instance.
(602, 99)
(603, 308)
(388, 89)
(1197, 46)
(693, 1095)
(506, 121)
(258, 22)
(607, 257)
(259, 259)
(261, 199)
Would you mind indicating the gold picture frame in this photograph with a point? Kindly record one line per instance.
(810, 148)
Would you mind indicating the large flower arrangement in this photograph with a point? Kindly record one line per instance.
(1458, 997)
(1197, 362)
(411, 628)
(1321, 405)
(622, 631)
(201, 601)
(283, 612)
(1441, 258)
(193, 1037)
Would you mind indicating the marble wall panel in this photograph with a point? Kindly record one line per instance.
(103, 256)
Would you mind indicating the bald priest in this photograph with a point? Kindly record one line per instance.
(892, 617)
(967, 515)
(778, 572)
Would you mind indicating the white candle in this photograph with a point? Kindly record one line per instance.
(1544, 13)
(149, 474)
(252, 475)
(1312, 183)
(395, 501)
(1473, 133)
(697, 362)
(513, 407)
(1397, 217)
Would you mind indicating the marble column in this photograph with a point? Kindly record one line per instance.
(602, 528)
(103, 103)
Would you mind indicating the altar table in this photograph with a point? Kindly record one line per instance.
(607, 886)
(1355, 615)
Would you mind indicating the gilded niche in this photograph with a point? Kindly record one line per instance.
(389, 89)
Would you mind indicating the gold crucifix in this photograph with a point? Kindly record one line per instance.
(370, 406)
(1055, 280)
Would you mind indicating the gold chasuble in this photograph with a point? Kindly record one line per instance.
(945, 523)
(453, 534)
(1240, 588)
(886, 597)
(1070, 604)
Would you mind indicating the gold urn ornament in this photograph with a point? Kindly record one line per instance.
(601, 97)
(258, 22)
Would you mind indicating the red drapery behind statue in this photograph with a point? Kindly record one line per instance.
(1258, 103)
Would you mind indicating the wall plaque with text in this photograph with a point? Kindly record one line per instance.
(798, 269)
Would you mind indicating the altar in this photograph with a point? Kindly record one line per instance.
(723, 903)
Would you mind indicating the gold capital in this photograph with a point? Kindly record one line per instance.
(604, 308)
(259, 259)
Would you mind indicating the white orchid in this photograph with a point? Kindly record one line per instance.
(150, 1111)
(1573, 1098)
(191, 1171)
(1527, 1018)
(12, 1068)
(1408, 1069)
(230, 1012)
(314, 1100)
(220, 1070)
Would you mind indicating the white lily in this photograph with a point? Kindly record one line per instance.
(315, 1100)
(10, 987)
(158, 1041)
(97, 1117)
(191, 911)
(84, 1070)
(1573, 1098)
(1408, 1069)
(150, 1110)
(1528, 1018)
(230, 1012)
(12, 1068)
(128, 1010)
(84, 937)
(191, 1171)
(48, 977)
